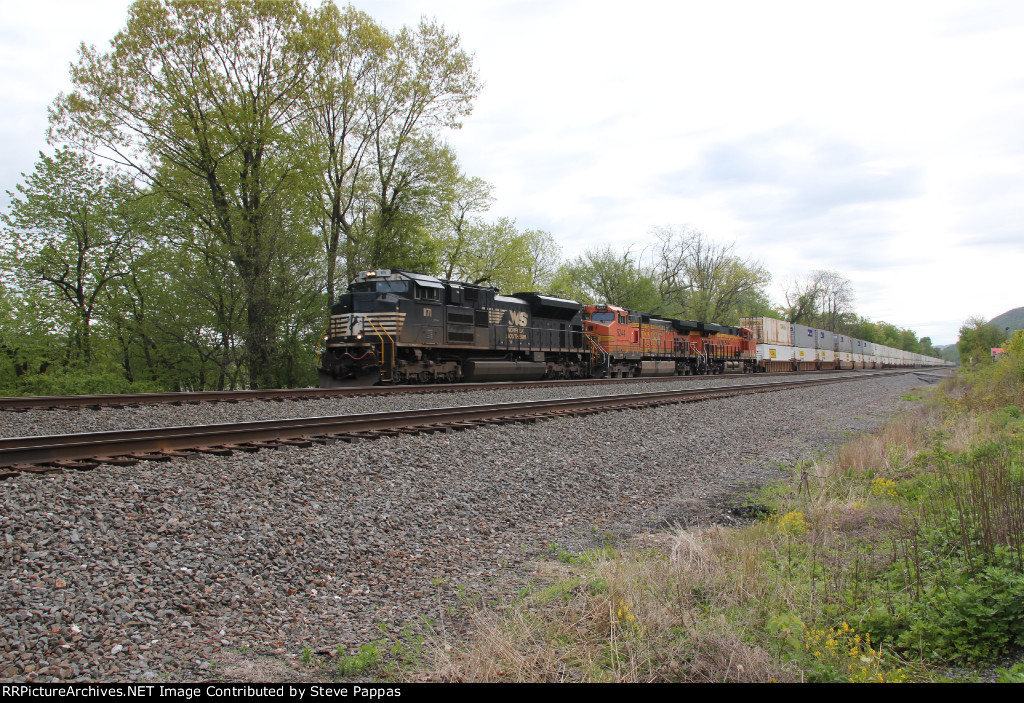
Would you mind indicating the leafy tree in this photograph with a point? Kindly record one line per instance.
(602, 275)
(341, 122)
(977, 337)
(71, 227)
(199, 100)
(427, 84)
(501, 255)
(460, 226)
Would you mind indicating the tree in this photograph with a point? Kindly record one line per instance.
(701, 279)
(199, 100)
(341, 122)
(824, 299)
(71, 227)
(977, 337)
(501, 255)
(425, 84)
(604, 276)
(459, 225)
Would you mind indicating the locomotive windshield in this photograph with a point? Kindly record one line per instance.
(603, 317)
(380, 287)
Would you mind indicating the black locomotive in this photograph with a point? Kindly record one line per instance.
(396, 326)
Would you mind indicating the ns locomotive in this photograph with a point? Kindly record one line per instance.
(395, 326)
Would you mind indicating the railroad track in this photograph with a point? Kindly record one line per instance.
(73, 402)
(47, 454)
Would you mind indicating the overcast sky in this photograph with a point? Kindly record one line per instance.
(883, 140)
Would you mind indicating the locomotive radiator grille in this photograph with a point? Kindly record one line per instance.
(366, 323)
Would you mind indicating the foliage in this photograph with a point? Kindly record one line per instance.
(842, 654)
(700, 279)
(602, 275)
(71, 229)
(977, 338)
(824, 299)
(365, 660)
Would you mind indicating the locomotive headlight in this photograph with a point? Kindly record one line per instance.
(359, 336)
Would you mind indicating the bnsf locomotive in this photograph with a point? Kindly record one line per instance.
(396, 326)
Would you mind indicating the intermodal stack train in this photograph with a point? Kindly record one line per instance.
(399, 327)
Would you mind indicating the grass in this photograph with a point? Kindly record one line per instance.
(895, 559)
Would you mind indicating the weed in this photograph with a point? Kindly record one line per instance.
(367, 659)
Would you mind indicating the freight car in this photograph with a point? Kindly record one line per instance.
(395, 326)
(782, 346)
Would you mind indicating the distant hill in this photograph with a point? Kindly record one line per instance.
(1014, 319)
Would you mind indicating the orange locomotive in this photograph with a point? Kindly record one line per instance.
(630, 343)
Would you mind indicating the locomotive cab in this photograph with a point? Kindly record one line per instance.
(364, 323)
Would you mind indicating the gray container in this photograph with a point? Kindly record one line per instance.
(844, 343)
(803, 336)
(826, 340)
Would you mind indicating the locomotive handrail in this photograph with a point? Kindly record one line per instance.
(379, 329)
(598, 349)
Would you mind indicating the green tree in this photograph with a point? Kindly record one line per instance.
(71, 227)
(824, 299)
(426, 85)
(353, 51)
(605, 276)
(200, 100)
(501, 255)
(460, 226)
(977, 337)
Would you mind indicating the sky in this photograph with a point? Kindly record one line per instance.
(882, 140)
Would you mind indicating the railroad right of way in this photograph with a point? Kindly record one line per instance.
(175, 571)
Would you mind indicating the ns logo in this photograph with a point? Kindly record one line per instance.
(517, 318)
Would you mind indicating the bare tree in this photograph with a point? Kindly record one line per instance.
(702, 278)
(820, 300)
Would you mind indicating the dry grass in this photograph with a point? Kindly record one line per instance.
(637, 617)
(726, 604)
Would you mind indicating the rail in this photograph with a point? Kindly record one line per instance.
(85, 451)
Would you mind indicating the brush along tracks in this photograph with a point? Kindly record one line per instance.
(96, 402)
(46, 454)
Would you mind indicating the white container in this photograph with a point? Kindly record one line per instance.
(768, 330)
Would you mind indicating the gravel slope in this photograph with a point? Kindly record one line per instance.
(160, 569)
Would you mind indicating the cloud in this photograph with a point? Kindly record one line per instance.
(792, 174)
(982, 18)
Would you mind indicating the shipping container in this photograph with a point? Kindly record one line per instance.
(803, 336)
(826, 340)
(768, 330)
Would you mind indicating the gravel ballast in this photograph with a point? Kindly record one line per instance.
(72, 421)
(160, 570)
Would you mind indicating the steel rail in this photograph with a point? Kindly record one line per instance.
(40, 402)
(85, 450)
